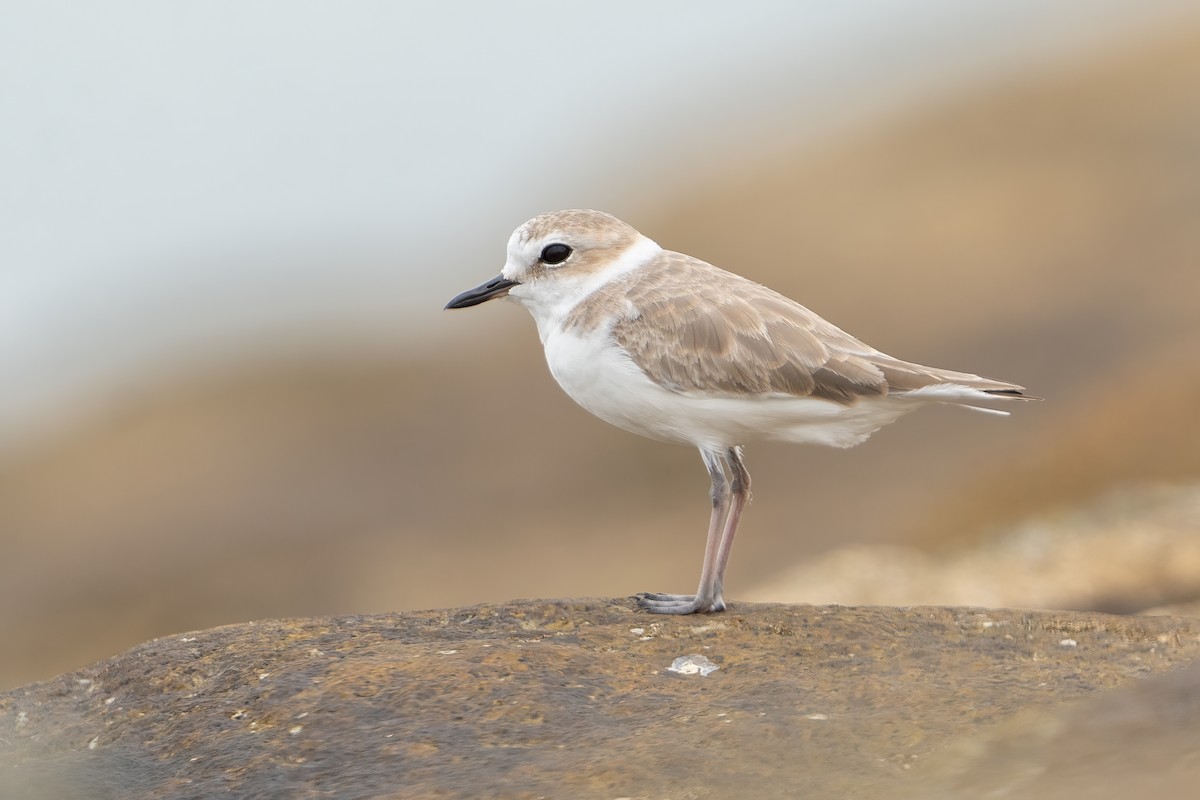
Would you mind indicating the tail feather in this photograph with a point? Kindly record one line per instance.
(905, 378)
(962, 393)
(1016, 392)
(984, 409)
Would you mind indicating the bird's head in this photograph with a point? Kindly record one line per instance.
(558, 257)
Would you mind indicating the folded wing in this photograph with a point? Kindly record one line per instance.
(739, 338)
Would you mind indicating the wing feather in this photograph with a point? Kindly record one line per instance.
(739, 338)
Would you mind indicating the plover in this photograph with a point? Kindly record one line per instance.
(670, 347)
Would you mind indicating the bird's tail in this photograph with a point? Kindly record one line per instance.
(947, 386)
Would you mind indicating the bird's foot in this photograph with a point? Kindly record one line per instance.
(662, 603)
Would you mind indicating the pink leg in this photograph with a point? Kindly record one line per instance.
(740, 486)
(716, 549)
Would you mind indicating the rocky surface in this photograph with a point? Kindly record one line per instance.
(1139, 741)
(553, 699)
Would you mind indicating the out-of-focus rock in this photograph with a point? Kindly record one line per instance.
(1142, 740)
(573, 699)
(1129, 551)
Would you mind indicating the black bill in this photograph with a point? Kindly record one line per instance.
(496, 287)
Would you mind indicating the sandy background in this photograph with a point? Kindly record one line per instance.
(1038, 225)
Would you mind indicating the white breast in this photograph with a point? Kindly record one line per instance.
(599, 376)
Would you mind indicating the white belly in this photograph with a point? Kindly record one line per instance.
(599, 376)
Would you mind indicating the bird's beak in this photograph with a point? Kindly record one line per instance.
(496, 287)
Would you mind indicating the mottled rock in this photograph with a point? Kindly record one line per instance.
(554, 699)
(1141, 740)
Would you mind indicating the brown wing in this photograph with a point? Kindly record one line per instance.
(737, 337)
(740, 338)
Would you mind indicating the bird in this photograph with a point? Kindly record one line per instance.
(670, 347)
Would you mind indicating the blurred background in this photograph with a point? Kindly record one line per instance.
(227, 231)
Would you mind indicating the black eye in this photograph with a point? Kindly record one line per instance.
(555, 253)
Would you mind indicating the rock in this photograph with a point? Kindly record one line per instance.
(1129, 550)
(1138, 741)
(558, 698)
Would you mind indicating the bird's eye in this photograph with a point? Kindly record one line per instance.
(555, 253)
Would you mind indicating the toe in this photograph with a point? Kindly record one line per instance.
(667, 603)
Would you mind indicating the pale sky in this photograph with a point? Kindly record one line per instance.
(189, 180)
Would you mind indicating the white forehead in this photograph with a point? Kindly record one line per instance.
(523, 243)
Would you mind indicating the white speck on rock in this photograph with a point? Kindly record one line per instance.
(108, 701)
(1067, 643)
(446, 652)
(694, 664)
(94, 743)
(263, 676)
(816, 716)
(295, 729)
(637, 631)
(22, 719)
